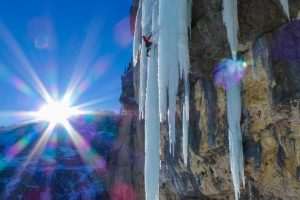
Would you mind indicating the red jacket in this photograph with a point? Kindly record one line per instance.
(147, 39)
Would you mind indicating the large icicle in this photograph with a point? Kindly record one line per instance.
(184, 64)
(168, 70)
(152, 122)
(152, 130)
(235, 135)
(285, 6)
(166, 51)
(230, 18)
(229, 75)
(147, 6)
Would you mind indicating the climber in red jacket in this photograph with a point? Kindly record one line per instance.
(147, 43)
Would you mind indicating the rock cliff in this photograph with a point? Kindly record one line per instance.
(270, 44)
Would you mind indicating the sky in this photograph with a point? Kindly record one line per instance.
(57, 44)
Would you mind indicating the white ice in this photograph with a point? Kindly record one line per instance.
(159, 77)
(146, 24)
(234, 132)
(168, 62)
(152, 122)
(230, 18)
(184, 65)
(285, 6)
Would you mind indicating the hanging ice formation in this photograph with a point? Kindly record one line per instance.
(159, 77)
(184, 63)
(173, 50)
(152, 124)
(229, 75)
(285, 6)
(230, 18)
(146, 23)
(168, 71)
(235, 135)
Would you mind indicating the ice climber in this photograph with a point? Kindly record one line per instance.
(147, 43)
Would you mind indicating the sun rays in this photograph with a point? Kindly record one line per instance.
(53, 112)
(13, 46)
(57, 112)
(29, 83)
(84, 148)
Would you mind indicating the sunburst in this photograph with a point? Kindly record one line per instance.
(53, 111)
(57, 112)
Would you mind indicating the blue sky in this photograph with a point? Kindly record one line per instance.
(80, 41)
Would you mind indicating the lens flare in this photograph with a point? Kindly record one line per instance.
(122, 34)
(229, 68)
(42, 147)
(57, 112)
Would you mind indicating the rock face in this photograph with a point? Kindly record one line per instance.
(270, 122)
(131, 133)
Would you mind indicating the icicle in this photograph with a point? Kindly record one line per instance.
(167, 49)
(137, 34)
(230, 18)
(168, 62)
(152, 130)
(285, 6)
(229, 74)
(184, 64)
(167, 40)
(189, 15)
(152, 123)
(185, 123)
(147, 6)
(183, 49)
(143, 78)
(235, 136)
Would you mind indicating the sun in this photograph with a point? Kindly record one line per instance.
(56, 112)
